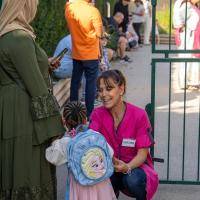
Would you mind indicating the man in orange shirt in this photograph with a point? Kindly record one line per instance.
(85, 25)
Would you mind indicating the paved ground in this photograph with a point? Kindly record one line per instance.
(138, 74)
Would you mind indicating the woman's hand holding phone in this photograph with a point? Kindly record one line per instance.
(55, 61)
(54, 64)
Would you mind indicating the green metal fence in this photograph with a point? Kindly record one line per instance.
(175, 111)
(176, 122)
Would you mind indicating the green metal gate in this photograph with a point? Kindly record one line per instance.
(175, 112)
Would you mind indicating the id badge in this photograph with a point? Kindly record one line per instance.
(128, 143)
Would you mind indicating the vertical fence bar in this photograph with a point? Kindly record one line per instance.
(184, 118)
(169, 119)
(170, 24)
(198, 145)
(153, 83)
(153, 35)
(185, 42)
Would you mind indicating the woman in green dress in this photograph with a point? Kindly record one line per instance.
(29, 115)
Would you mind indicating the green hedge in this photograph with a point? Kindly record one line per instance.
(100, 4)
(50, 25)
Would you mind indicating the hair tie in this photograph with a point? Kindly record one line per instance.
(72, 133)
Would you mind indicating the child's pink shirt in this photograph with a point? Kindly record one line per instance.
(134, 126)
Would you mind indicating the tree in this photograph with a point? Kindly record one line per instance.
(49, 24)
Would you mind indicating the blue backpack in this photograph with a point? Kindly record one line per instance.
(89, 158)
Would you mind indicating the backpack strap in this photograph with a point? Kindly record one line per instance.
(67, 186)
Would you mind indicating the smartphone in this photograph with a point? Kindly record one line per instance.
(60, 55)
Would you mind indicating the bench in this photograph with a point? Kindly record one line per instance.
(61, 90)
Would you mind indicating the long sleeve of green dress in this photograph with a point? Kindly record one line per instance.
(29, 117)
(28, 65)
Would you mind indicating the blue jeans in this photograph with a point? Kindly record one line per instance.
(90, 69)
(134, 183)
(84, 83)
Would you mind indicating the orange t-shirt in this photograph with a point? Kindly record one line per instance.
(85, 25)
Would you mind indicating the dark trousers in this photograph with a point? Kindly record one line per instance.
(90, 69)
(134, 183)
(137, 27)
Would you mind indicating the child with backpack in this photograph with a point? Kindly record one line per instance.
(104, 61)
(88, 157)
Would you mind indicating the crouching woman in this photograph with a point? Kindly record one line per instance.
(128, 131)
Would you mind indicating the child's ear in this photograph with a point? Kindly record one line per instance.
(84, 121)
(68, 123)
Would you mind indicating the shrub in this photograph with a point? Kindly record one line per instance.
(49, 24)
(163, 17)
(101, 5)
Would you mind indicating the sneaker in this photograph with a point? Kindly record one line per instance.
(126, 59)
(194, 87)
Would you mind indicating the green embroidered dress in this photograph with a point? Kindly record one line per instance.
(29, 117)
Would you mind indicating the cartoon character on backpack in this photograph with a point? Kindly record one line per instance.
(92, 163)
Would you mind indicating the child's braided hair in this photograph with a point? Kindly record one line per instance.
(74, 114)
